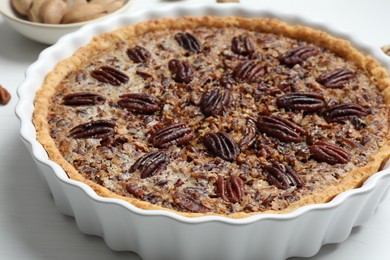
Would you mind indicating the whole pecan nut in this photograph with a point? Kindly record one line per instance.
(4, 96)
(182, 71)
(344, 112)
(138, 54)
(335, 78)
(176, 134)
(109, 75)
(280, 128)
(94, 130)
(83, 99)
(150, 164)
(188, 42)
(325, 152)
(221, 144)
(299, 55)
(139, 103)
(214, 102)
(301, 101)
(282, 177)
(230, 189)
(243, 45)
(249, 71)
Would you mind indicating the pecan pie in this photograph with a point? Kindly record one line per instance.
(216, 116)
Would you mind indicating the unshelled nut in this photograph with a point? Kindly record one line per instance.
(109, 5)
(4, 96)
(21, 6)
(33, 12)
(65, 11)
(51, 11)
(386, 49)
(73, 3)
(84, 12)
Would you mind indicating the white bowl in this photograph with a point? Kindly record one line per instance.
(157, 234)
(46, 33)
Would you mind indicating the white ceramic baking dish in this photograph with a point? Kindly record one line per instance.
(165, 235)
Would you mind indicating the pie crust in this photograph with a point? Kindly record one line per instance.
(130, 36)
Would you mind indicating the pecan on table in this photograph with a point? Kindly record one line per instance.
(110, 75)
(230, 189)
(139, 103)
(335, 78)
(95, 130)
(280, 128)
(243, 45)
(344, 112)
(5, 96)
(189, 42)
(299, 55)
(222, 145)
(83, 99)
(214, 102)
(176, 134)
(301, 101)
(138, 54)
(325, 152)
(282, 177)
(182, 71)
(150, 164)
(249, 71)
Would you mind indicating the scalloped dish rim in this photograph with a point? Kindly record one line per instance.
(68, 44)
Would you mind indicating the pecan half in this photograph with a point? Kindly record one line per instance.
(187, 202)
(222, 145)
(135, 190)
(94, 129)
(150, 164)
(182, 71)
(250, 136)
(227, 82)
(282, 177)
(109, 75)
(344, 112)
(329, 153)
(83, 99)
(214, 102)
(5, 96)
(299, 55)
(138, 54)
(176, 134)
(248, 71)
(335, 78)
(139, 103)
(280, 128)
(230, 189)
(301, 101)
(243, 45)
(188, 42)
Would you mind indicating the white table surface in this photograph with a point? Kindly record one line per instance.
(32, 228)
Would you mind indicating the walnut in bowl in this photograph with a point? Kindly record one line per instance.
(46, 21)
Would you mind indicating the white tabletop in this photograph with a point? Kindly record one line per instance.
(32, 228)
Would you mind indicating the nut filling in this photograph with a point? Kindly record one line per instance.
(217, 120)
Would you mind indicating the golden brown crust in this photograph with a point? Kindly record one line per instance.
(104, 42)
